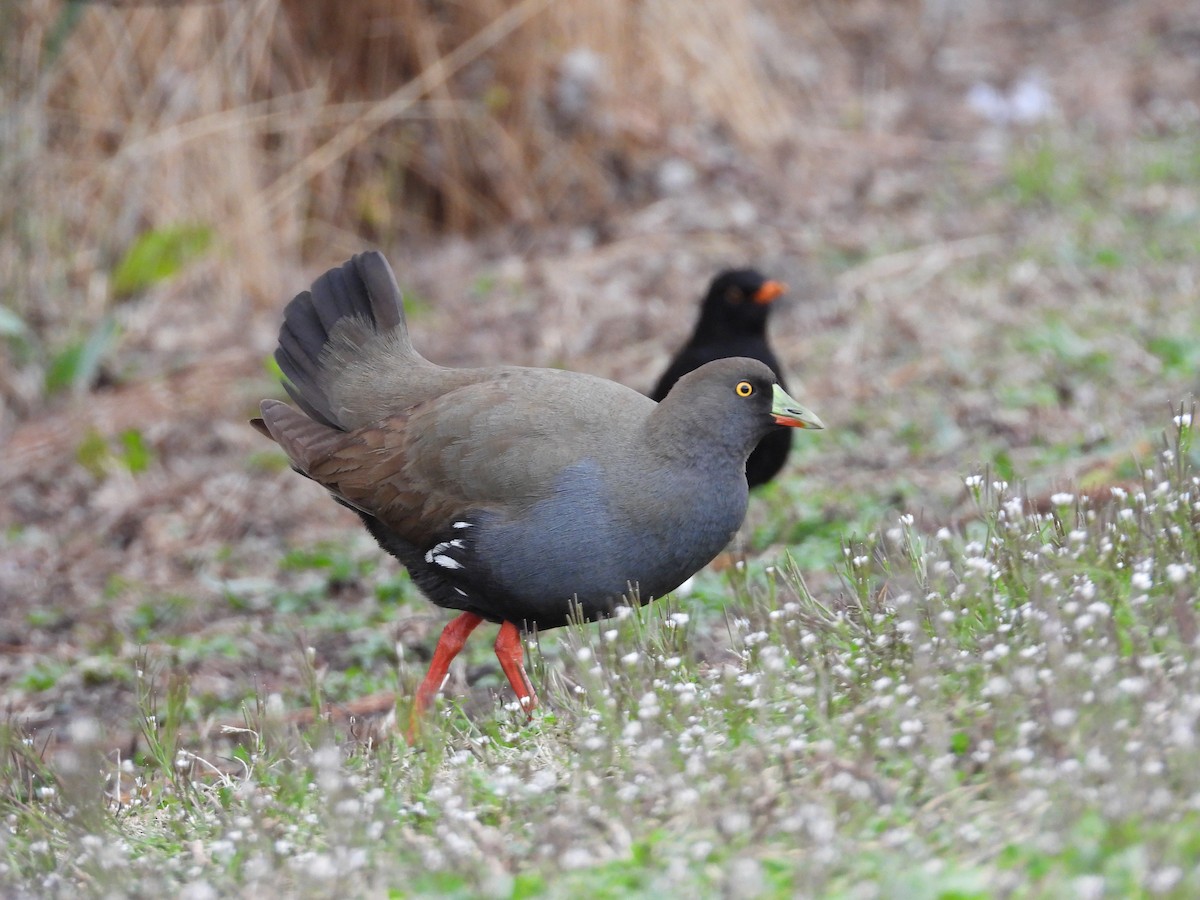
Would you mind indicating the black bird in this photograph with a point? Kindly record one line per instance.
(733, 322)
(515, 495)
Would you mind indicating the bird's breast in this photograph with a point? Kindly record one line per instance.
(592, 543)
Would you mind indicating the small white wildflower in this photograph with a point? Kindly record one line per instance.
(973, 481)
(1134, 686)
(1177, 573)
(1063, 718)
(631, 658)
(576, 858)
(1163, 881)
(648, 706)
(997, 686)
(1062, 498)
(198, 890)
(1096, 761)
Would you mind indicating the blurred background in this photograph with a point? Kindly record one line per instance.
(987, 213)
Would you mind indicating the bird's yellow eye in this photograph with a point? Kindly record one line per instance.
(744, 389)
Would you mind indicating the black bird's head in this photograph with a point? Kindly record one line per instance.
(738, 302)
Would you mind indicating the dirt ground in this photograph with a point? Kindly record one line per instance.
(896, 222)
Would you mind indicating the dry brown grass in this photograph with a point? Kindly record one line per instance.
(296, 129)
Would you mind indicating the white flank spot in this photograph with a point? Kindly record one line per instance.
(448, 562)
(461, 592)
(458, 544)
(429, 556)
(463, 525)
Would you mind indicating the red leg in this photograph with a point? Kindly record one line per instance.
(454, 636)
(512, 661)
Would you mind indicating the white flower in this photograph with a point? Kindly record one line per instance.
(1177, 573)
(1063, 718)
(1088, 887)
(1134, 686)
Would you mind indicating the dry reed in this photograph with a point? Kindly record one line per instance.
(296, 130)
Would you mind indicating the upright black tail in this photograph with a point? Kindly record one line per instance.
(345, 307)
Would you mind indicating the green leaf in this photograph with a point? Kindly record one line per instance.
(92, 453)
(157, 256)
(137, 456)
(77, 365)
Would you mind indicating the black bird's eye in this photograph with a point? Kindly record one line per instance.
(744, 389)
(734, 295)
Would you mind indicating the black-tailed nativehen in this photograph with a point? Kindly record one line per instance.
(733, 322)
(517, 495)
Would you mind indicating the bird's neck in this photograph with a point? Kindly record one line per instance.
(715, 447)
(725, 328)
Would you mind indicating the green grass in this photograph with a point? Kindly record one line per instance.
(1009, 706)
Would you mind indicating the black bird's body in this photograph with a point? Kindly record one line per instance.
(516, 495)
(733, 322)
